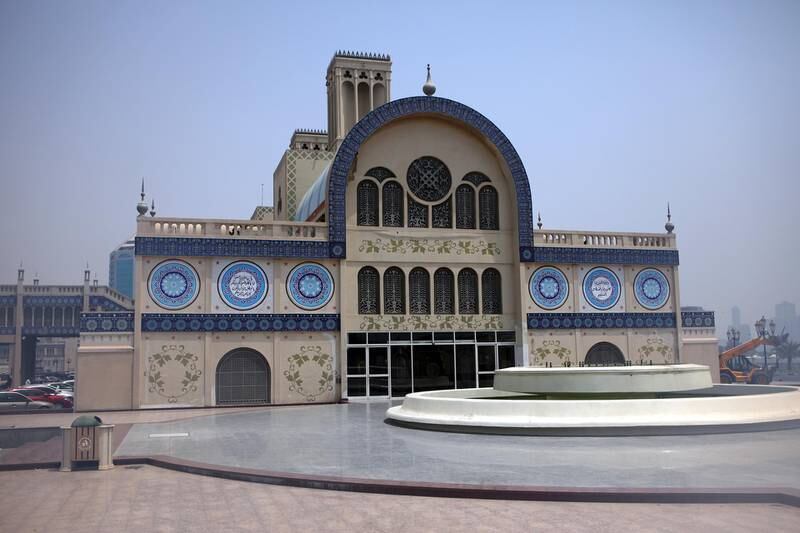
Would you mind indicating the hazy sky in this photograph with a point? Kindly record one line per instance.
(615, 108)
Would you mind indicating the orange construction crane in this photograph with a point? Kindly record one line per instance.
(734, 367)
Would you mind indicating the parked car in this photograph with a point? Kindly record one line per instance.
(66, 385)
(49, 389)
(39, 395)
(14, 400)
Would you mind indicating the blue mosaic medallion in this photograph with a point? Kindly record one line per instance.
(173, 284)
(651, 288)
(548, 287)
(242, 285)
(601, 288)
(310, 286)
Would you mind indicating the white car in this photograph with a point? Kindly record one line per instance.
(14, 400)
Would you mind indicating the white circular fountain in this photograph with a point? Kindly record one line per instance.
(622, 400)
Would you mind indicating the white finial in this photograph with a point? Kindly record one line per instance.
(429, 88)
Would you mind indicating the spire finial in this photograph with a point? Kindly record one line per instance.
(429, 88)
(153, 207)
(539, 223)
(141, 207)
(669, 226)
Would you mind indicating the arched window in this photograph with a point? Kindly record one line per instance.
(394, 292)
(491, 292)
(489, 217)
(243, 377)
(467, 292)
(417, 214)
(367, 203)
(465, 207)
(368, 289)
(392, 204)
(419, 288)
(442, 217)
(443, 292)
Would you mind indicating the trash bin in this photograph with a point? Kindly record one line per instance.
(86, 441)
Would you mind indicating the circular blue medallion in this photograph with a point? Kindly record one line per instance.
(310, 286)
(548, 287)
(242, 285)
(173, 284)
(601, 288)
(651, 288)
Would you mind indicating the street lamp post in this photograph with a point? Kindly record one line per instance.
(761, 331)
(733, 337)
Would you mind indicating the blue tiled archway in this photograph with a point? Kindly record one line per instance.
(337, 234)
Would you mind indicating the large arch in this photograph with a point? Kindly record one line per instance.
(604, 354)
(405, 107)
(242, 377)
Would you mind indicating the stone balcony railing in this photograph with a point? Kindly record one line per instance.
(231, 229)
(594, 239)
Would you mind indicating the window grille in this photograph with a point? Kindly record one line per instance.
(242, 378)
(368, 289)
(441, 215)
(417, 214)
(394, 292)
(488, 205)
(379, 173)
(428, 179)
(367, 200)
(443, 292)
(392, 204)
(467, 292)
(475, 178)
(465, 207)
(491, 292)
(419, 283)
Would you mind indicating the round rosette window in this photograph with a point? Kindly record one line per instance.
(651, 288)
(173, 284)
(548, 287)
(601, 288)
(429, 179)
(310, 286)
(242, 285)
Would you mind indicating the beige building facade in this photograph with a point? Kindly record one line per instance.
(400, 256)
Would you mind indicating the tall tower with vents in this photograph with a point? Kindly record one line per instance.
(357, 83)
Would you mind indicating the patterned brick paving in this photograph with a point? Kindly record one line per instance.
(144, 499)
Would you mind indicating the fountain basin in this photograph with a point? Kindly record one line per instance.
(602, 401)
(603, 380)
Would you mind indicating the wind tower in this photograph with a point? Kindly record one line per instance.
(357, 83)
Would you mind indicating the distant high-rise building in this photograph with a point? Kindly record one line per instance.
(786, 319)
(120, 269)
(736, 316)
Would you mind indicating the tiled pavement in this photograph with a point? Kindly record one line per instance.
(144, 499)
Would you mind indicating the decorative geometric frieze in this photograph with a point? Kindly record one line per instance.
(610, 256)
(52, 331)
(66, 301)
(198, 322)
(106, 304)
(428, 246)
(698, 319)
(196, 247)
(430, 322)
(600, 320)
(8, 301)
(345, 156)
(107, 322)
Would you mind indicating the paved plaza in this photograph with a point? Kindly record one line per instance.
(352, 440)
(143, 498)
